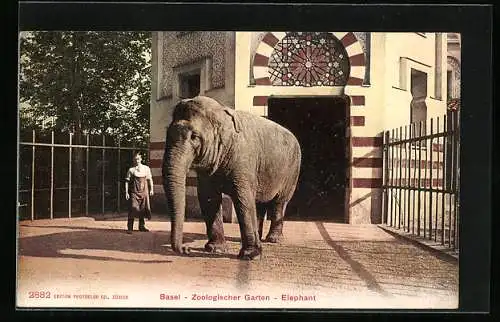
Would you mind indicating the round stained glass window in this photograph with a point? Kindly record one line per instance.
(309, 59)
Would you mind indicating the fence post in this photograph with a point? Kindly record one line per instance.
(70, 174)
(102, 176)
(119, 176)
(406, 210)
(386, 179)
(408, 176)
(413, 184)
(456, 180)
(87, 177)
(453, 176)
(52, 176)
(400, 137)
(33, 177)
(426, 193)
(392, 197)
(430, 179)
(442, 180)
(437, 183)
(448, 164)
(419, 145)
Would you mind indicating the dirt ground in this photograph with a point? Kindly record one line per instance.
(83, 262)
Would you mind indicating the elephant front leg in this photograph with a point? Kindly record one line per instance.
(277, 214)
(210, 203)
(247, 218)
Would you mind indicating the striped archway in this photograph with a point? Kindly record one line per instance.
(271, 39)
(363, 199)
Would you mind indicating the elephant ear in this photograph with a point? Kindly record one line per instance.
(235, 118)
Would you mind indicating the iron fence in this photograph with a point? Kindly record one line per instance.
(67, 175)
(421, 180)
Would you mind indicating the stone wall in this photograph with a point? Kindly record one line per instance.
(184, 48)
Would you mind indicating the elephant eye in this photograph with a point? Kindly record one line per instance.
(194, 136)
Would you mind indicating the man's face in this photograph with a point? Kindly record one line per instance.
(137, 160)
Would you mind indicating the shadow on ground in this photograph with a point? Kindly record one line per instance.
(86, 238)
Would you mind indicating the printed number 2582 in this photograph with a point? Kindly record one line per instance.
(39, 295)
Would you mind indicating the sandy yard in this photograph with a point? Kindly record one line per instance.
(83, 262)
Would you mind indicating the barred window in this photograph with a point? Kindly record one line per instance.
(309, 59)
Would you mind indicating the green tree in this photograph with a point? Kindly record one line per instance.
(86, 82)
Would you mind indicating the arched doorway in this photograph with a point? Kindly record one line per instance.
(282, 82)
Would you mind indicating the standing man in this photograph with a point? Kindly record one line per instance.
(138, 189)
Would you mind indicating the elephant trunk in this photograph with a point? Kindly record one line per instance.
(175, 169)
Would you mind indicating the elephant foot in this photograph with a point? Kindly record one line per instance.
(249, 253)
(274, 238)
(183, 249)
(212, 247)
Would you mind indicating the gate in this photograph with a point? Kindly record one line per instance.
(421, 180)
(62, 175)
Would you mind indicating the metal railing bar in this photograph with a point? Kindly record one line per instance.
(414, 184)
(109, 185)
(33, 178)
(393, 212)
(119, 175)
(70, 174)
(422, 189)
(449, 157)
(419, 179)
(430, 181)
(52, 178)
(103, 173)
(81, 146)
(437, 195)
(413, 140)
(408, 179)
(456, 181)
(443, 215)
(400, 178)
(87, 157)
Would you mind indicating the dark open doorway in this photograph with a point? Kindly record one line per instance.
(319, 123)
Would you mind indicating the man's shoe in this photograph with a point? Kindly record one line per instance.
(143, 229)
(129, 232)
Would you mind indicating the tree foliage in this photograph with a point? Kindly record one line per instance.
(86, 82)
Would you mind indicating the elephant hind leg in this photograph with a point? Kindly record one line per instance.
(276, 213)
(261, 214)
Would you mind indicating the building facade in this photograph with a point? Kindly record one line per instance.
(337, 91)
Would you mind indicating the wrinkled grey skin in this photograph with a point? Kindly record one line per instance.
(251, 159)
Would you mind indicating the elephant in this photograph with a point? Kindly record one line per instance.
(253, 160)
